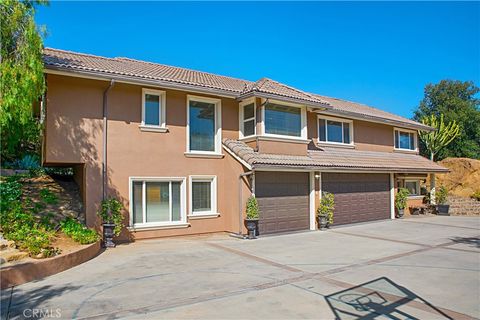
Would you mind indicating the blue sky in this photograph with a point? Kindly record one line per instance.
(377, 53)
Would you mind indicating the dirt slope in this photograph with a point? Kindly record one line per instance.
(463, 178)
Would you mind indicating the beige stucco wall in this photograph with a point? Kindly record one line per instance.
(276, 147)
(367, 136)
(74, 135)
(370, 136)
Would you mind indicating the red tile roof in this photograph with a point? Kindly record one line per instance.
(158, 74)
(334, 158)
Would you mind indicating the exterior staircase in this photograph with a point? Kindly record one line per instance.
(463, 206)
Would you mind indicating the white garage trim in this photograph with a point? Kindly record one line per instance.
(312, 201)
(392, 197)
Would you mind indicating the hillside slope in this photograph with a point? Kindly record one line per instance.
(463, 178)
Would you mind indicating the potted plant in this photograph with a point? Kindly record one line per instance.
(112, 220)
(251, 222)
(325, 210)
(401, 201)
(441, 200)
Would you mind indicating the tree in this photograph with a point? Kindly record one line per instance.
(22, 82)
(457, 101)
(442, 136)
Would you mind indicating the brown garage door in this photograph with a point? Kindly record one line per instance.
(283, 201)
(358, 197)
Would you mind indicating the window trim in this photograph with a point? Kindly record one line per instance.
(417, 187)
(183, 211)
(213, 196)
(218, 125)
(162, 112)
(342, 120)
(242, 120)
(415, 140)
(303, 120)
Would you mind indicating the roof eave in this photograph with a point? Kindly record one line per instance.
(137, 80)
(260, 166)
(265, 95)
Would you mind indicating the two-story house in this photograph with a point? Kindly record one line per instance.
(183, 149)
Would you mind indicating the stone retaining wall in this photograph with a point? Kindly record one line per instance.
(463, 206)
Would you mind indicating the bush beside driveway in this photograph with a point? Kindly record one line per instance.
(424, 268)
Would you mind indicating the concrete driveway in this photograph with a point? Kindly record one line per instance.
(424, 268)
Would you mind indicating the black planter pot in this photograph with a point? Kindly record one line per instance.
(252, 227)
(400, 213)
(108, 234)
(322, 222)
(442, 209)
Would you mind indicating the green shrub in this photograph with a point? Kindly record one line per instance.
(46, 220)
(252, 209)
(10, 191)
(78, 232)
(48, 196)
(110, 213)
(401, 198)
(476, 195)
(441, 195)
(28, 162)
(326, 206)
(19, 224)
(33, 240)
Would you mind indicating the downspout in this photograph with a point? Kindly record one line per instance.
(105, 128)
(240, 200)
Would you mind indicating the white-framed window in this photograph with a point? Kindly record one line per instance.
(157, 201)
(335, 130)
(203, 125)
(153, 108)
(203, 196)
(405, 139)
(413, 187)
(284, 120)
(248, 118)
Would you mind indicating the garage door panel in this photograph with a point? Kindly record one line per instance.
(283, 201)
(358, 197)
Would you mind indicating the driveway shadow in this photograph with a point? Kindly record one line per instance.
(472, 241)
(17, 304)
(380, 298)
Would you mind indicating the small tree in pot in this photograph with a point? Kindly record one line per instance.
(251, 222)
(325, 210)
(441, 199)
(401, 201)
(112, 220)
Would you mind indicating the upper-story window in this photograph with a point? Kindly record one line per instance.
(153, 108)
(334, 130)
(203, 125)
(283, 120)
(247, 118)
(405, 139)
